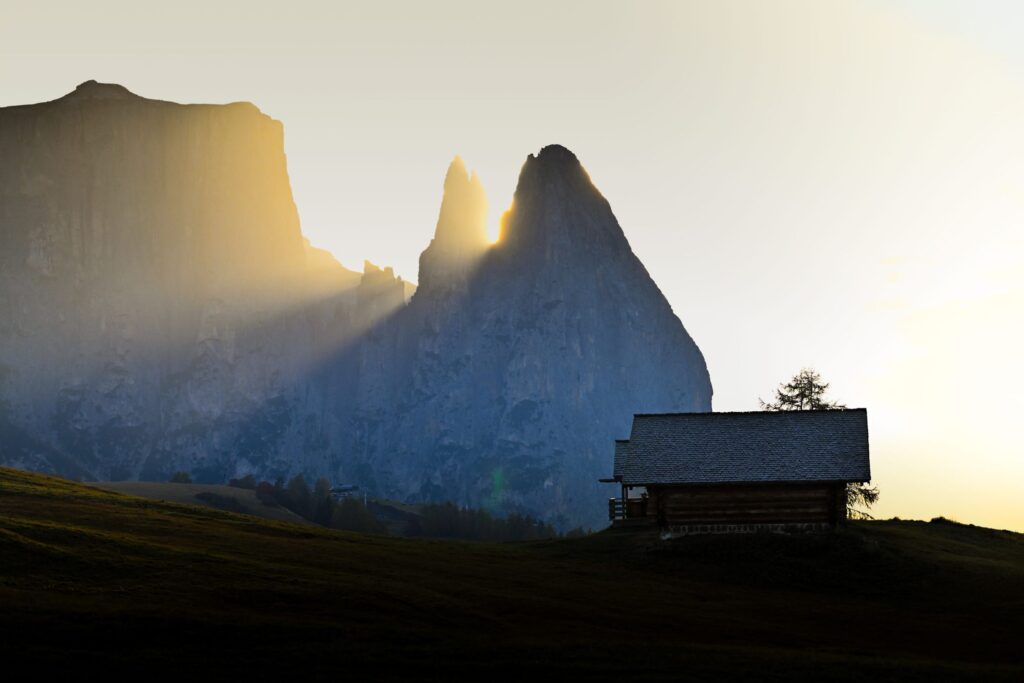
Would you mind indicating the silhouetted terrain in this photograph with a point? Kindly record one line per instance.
(92, 581)
(510, 376)
(161, 311)
(221, 497)
(158, 303)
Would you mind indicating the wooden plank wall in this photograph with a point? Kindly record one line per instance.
(743, 504)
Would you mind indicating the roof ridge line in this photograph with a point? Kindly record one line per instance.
(752, 412)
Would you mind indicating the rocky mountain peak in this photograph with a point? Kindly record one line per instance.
(557, 210)
(512, 389)
(556, 154)
(456, 173)
(93, 90)
(461, 234)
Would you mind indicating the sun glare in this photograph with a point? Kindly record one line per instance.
(493, 234)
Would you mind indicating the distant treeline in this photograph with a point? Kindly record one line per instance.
(432, 520)
(316, 505)
(447, 520)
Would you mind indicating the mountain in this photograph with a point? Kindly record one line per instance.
(512, 381)
(161, 311)
(157, 298)
(461, 235)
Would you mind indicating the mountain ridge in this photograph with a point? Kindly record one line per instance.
(166, 313)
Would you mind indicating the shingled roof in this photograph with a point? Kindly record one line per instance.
(620, 457)
(706, 448)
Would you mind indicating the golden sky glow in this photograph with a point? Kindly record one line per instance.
(834, 184)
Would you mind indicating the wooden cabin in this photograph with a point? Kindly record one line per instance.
(739, 472)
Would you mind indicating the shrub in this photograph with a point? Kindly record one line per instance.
(267, 493)
(322, 504)
(181, 478)
(350, 514)
(246, 482)
(221, 502)
(447, 520)
(942, 520)
(299, 498)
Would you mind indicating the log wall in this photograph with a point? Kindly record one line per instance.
(729, 504)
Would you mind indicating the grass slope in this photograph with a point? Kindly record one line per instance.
(207, 495)
(97, 581)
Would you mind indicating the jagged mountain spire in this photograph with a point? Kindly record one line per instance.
(513, 389)
(557, 207)
(461, 235)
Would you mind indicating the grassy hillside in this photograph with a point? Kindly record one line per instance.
(94, 580)
(220, 497)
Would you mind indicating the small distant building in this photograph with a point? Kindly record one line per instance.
(344, 491)
(739, 472)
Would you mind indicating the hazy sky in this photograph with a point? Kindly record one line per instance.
(835, 184)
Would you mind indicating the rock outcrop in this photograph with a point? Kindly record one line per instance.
(460, 239)
(511, 389)
(157, 299)
(161, 311)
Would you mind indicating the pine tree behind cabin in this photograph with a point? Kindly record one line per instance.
(806, 391)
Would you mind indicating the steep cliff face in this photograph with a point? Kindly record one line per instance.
(161, 311)
(196, 197)
(157, 298)
(513, 387)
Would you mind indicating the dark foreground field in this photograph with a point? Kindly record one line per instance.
(97, 582)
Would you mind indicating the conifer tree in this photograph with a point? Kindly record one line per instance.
(806, 391)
